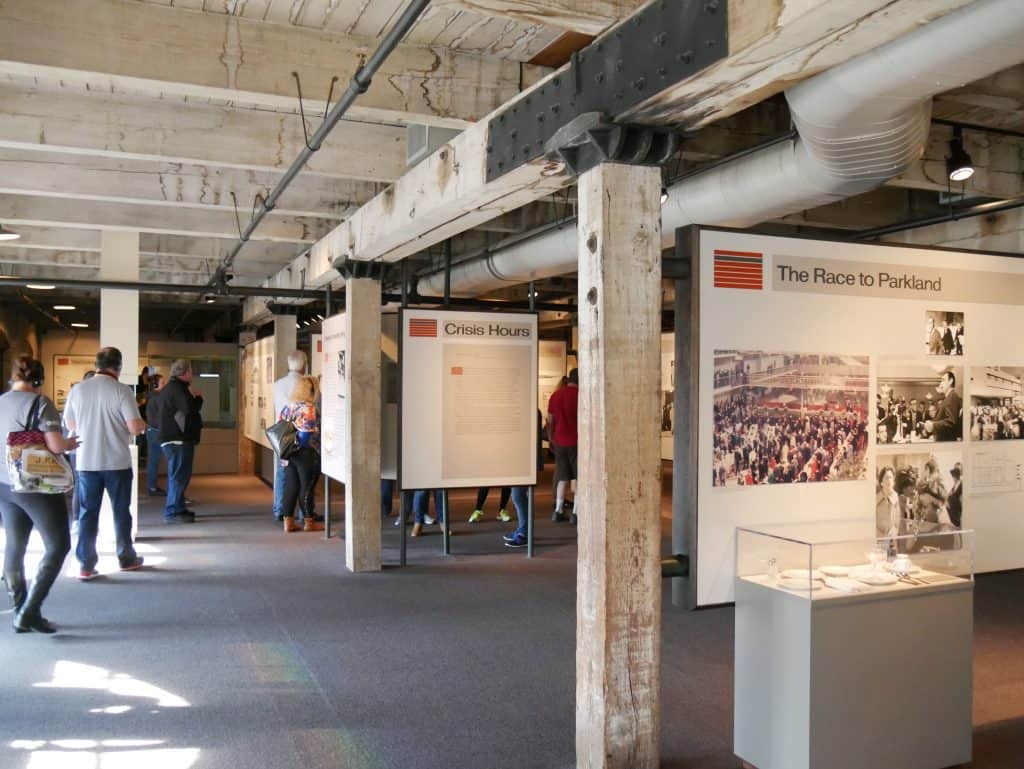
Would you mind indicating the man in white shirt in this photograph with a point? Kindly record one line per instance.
(282, 394)
(104, 415)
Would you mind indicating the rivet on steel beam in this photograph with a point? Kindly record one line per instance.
(557, 81)
(540, 117)
(618, 95)
(712, 43)
(711, 6)
(661, 38)
(526, 149)
(686, 57)
(555, 109)
(490, 149)
(639, 84)
(599, 77)
(619, 66)
(662, 71)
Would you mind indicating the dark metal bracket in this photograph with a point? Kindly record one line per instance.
(357, 268)
(664, 43)
(591, 139)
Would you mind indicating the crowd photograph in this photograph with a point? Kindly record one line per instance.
(789, 418)
(944, 332)
(918, 404)
(997, 403)
(917, 494)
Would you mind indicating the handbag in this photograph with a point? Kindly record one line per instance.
(31, 466)
(284, 438)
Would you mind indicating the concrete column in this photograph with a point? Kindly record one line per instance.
(362, 389)
(618, 607)
(286, 340)
(119, 309)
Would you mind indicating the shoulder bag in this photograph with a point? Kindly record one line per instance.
(284, 438)
(31, 466)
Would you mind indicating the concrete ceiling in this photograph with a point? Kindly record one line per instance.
(148, 114)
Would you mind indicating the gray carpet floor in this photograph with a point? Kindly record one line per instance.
(243, 647)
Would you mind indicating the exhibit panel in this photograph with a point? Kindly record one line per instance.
(668, 390)
(550, 370)
(332, 362)
(258, 390)
(469, 399)
(334, 418)
(855, 381)
(825, 628)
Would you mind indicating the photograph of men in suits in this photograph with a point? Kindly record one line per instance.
(947, 424)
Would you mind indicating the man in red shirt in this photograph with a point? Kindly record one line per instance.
(562, 410)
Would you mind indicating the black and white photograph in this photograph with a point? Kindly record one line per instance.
(919, 493)
(944, 332)
(789, 418)
(919, 404)
(997, 403)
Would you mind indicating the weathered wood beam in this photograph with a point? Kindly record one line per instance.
(618, 583)
(75, 177)
(362, 441)
(87, 260)
(998, 163)
(116, 46)
(591, 17)
(1003, 231)
(45, 272)
(775, 45)
(996, 101)
(771, 47)
(51, 212)
(257, 252)
(161, 131)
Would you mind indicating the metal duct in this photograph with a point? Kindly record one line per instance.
(859, 124)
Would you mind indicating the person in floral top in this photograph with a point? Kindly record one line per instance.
(302, 469)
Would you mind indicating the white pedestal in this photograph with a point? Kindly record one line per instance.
(854, 682)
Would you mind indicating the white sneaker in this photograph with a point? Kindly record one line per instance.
(429, 521)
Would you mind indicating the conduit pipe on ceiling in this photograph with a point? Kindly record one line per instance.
(860, 124)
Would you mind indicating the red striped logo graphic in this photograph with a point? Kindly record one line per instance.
(739, 269)
(423, 327)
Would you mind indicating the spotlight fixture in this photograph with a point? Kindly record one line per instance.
(959, 165)
(40, 286)
(664, 195)
(79, 325)
(6, 234)
(209, 298)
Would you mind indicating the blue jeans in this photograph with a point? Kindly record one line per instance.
(153, 457)
(387, 492)
(421, 504)
(280, 476)
(520, 502)
(91, 485)
(179, 474)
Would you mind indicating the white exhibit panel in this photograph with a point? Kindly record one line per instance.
(850, 655)
(856, 381)
(333, 391)
(668, 390)
(469, 399)
(316, 359)
(550, 370)
(331, 362)
(258, 390)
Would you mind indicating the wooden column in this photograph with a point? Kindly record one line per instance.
(618, 614)
(362, 406)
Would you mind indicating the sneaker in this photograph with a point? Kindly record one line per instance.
(511, 537)
(572, 519)
(503, 516)
(87, 574)
(517, 541)
(133, 565)
(478, 515)
(157, 492)
(429, 521)
(186, 517)
(558, 516)
(190, 502)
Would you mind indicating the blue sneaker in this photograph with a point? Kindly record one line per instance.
(512, 536)
(517, 541)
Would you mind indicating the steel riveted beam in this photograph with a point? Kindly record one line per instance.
(666, 42)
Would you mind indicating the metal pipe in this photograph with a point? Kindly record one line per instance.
(992, 207)
(358, 85)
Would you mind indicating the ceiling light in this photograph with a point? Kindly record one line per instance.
(64, 307)
(79, 325)
(40, 286)
(664, 195)
(209, 299)
(209, 376)
(6, 234)
(959, 165)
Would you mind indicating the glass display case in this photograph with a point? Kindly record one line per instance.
(833, 559)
